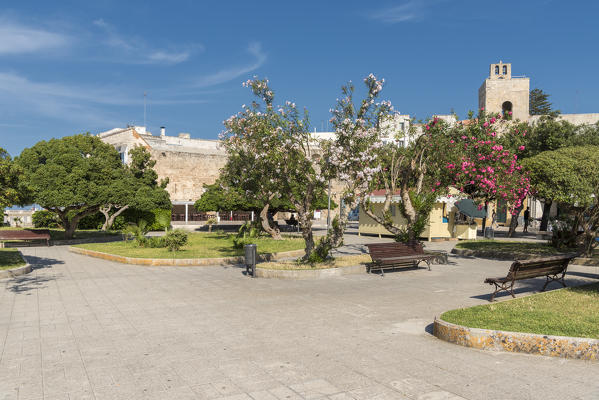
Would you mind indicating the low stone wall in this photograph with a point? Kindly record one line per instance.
(485, 339)
(309, 273)
(182, 262)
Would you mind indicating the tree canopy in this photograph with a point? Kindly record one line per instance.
(138, 188)
(10, 193)
(539, 103)
(570, 176)
(72, 176)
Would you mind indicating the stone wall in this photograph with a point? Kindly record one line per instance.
(187, 172)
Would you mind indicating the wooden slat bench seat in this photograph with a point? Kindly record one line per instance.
(553, 268)
(25, 235)
(396, 254)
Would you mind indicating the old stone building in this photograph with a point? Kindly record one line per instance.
(187, 163)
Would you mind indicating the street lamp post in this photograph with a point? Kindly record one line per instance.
(329, 208)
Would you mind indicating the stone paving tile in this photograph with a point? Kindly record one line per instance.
(82, 328)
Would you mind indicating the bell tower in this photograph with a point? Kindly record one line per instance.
(503, 93)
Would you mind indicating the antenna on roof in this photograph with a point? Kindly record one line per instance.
(145, 95)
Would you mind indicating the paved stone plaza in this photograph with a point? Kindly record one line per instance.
(84, 328)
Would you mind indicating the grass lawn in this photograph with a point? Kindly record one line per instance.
(200, 245)
(518, 249)
(567, 312)
(58, 234)
(344, 261)
(10, 258)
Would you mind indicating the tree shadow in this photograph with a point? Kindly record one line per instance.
(531, 287)
(41, 262)
(25, 284)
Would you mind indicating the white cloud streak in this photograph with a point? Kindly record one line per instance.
(228, 74)
(84, 104)
(16, 38)
(411, 10)
(136, 51)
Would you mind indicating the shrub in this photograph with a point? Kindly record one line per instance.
(44, 219)
(176, 239)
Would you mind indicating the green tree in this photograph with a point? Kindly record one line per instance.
(271, 155)
(539, 103)
(10, 190)
(570, 177)
(73, 176)
(138, 188)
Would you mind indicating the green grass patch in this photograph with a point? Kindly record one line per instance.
(10, 258)
(518, 249)
(568, 312)
(344, 261)
(200, 245)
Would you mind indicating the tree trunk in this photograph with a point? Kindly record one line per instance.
(545, 217)
(305, 223)
(514, 221)
(209, 228)
(485, 218)
(387, 223)
(110, 218)
(272, 231)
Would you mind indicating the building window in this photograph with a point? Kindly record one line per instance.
(392, 209)
(497, 70)
(505, 70)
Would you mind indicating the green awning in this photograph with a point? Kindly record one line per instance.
(468, 208)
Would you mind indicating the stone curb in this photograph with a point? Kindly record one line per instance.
(10, 273)
(182, 262)
(299, 274)
(517, 342)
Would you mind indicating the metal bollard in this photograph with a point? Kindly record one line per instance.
(250, 259)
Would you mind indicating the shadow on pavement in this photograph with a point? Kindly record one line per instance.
(27, 283)
(42, 262)
(531, 288)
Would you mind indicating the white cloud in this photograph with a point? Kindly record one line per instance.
(409, 11)
(136, 51)
(84, 104)
(228, 74)
(16, 38)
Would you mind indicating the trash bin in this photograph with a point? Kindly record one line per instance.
(489, 233)
(250, 259)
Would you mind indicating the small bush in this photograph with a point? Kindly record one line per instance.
(45, 219)
(176, 239)
(240, 242)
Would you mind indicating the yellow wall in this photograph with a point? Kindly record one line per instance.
(436, 228)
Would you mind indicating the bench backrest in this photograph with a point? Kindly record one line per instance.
(24, 234)
(395, 249)
(524, 269)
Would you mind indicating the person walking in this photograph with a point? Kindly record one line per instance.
(494, 220)
(526, 219)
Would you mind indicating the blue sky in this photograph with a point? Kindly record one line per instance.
(69, 67)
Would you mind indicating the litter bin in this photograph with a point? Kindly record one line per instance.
(489, 233)
(250, 259)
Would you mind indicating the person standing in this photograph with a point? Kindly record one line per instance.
(526, 219)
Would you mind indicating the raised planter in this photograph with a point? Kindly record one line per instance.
(309, 273)
(182, 262)
(517, 342)
(10, 273)
(495, 255)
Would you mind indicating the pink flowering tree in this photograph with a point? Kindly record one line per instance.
(270, 152)
(481, 164)
(366, 156)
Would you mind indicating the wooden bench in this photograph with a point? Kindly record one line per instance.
(553, 268)
(396, 254)
(25, 235)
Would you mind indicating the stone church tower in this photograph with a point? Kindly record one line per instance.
(501, 92)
